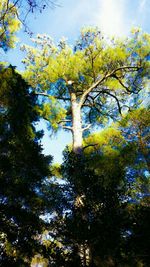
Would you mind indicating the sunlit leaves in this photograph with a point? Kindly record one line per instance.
(53, 112)
(39, 260)
(91, 56)
(9, 24)
(122, 66)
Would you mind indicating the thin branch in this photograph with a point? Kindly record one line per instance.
(123, 85)
(87, 127)
(115, 97)
(95, 145)
(88, 105)
(43, 94)
(126, 106)
(67, 127)
(46, 119)
(47, 95)
(64, 121)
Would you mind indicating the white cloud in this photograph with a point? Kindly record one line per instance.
(111, 17)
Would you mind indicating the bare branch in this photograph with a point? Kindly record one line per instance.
(43, 94)
(47, 95)
(87, 127)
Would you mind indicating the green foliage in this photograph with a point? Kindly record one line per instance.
(56, 170)
(107, 194)
(109, 141)
(135, 129)
(95, 219)
(90, 58)
(99, 211)
(39, 260)
(13, 15)
(136, 125)
(115, 70)
(9, 24)
(23, 169)
(53, 113)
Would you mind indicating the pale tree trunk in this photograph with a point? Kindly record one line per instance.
(77, 134)
(76, 125)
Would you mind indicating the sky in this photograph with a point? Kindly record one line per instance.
(113, 17)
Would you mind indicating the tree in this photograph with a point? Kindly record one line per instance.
(135, 129)
(23, 170)
(132, 139)
(135, 126)
(103, 212)
(89, 82)
(91, 227)
(9, 24)
(13, 14)
(76, 86)
(95, 222)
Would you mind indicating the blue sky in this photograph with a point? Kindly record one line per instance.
(113, 17)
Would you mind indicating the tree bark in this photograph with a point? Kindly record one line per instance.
(76, 125)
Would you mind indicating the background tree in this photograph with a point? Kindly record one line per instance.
(23, 170)
(9, 24)
(135, 128)
(13, 14)
(106, 191)
(89, 82)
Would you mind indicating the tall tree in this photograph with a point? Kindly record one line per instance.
(23, 170)
(88, 82)
(85, 84)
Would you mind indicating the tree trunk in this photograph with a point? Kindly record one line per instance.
(77, 134)
(76, 125)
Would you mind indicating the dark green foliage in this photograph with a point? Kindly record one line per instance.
(98, 213)
(138, 241)
(96, 220)
(104, 206)
(23, 169)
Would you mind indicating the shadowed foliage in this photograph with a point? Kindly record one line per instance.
(23, 169)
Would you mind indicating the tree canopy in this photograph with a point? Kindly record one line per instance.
(13, 14)
(9, 24)
(93, 209)
(103, 199)
(87, 83)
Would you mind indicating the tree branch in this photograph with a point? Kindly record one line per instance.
(90, 145)
(67, 127)
(124, 86)
(83, 97)
(115, 97)
(47, 95)
(64, 121)
(87, 127)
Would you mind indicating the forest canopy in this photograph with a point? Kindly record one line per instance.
(93, 209)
